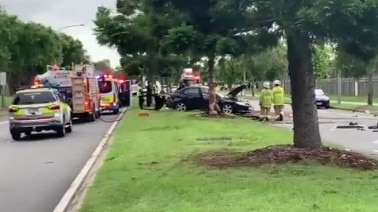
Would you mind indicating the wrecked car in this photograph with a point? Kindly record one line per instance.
(196, 97)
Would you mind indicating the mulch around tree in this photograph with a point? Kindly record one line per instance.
(281, 154)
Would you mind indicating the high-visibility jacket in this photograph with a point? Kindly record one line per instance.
(278, 95)
(266, 98)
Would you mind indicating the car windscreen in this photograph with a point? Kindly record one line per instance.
(319, 92)
(105, 86)
(34, 98)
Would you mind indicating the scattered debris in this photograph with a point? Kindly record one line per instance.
(351, 125)
(280, 154)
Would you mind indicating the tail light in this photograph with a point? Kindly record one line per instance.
(54, 107)
(13, 109)
(86, 106)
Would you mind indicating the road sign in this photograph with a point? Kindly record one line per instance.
(3, 79)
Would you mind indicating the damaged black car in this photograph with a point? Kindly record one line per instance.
(196, 97)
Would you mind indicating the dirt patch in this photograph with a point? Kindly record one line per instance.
(286, 154)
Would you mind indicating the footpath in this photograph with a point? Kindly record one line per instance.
(249, 95)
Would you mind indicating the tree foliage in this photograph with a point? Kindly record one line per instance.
(322, 61)
(26, 49)
(138, 32)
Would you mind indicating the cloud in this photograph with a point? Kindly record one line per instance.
(58, 14)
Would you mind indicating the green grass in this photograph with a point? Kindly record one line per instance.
(7, 102)
(359, 108)
(362, 99)
(143, 172)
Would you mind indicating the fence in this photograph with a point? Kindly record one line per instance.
(349, 86)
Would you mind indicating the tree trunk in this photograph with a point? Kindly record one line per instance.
(253, 87)
(213, 105)
(305, 116)
(370, 88)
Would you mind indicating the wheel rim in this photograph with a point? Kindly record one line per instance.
(227, 109)
(180, 107)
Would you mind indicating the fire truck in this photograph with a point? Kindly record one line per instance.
(79, 87)
(189, 77)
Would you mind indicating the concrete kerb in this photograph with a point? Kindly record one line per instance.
(69, 195)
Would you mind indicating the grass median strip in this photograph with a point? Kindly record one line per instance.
(147, 169)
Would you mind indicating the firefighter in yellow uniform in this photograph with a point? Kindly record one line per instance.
(278, 100)
(265, 101)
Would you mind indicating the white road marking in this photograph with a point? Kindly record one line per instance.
(78, 181)
(4, 122)
(376, 151)
(348, 150)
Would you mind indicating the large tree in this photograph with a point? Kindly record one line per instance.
(211, 29)
(138, 32)
(307, 22)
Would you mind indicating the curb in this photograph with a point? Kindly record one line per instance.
(69, 195)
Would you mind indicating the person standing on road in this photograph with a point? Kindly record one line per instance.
(278, 100)
(265, 101)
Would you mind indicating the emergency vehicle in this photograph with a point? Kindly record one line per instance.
(39, 109)
(109, 93)
(78, 85)
(189, 77)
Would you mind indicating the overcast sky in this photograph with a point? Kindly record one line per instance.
(58, 14)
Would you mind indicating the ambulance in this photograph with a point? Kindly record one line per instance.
(109, 93)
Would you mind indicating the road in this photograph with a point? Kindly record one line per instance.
(36, 172)
(365, 142)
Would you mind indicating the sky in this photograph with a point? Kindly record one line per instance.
(58, 14)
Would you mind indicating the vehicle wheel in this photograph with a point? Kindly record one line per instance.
(181, 107)
(69, 127)
(116, 111)
(91, 116)
(16, 136)
(327, 106)
(227, 109)
(61, 131)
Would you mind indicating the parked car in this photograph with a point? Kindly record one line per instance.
(322, 100)
(196, 97)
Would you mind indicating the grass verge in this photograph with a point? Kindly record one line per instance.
(7, 102)
(358, 108)
(144, 171)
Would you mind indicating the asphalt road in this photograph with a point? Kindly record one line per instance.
(365, 142)
(36, 172)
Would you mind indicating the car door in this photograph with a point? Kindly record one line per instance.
(193, 98)
(65, 107)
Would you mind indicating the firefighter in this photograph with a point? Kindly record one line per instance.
(140, 97)
(265, 101)
(278, 100)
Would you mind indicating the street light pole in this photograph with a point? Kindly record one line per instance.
(70, 26)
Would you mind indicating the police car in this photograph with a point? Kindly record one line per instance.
(37, 110)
